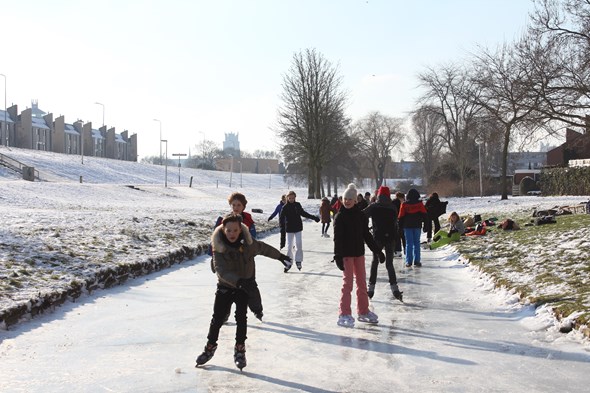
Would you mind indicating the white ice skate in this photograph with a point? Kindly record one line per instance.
(369, 317)
(346, 321)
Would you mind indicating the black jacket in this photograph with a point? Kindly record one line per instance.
(435, 207)
(351, 232)
(384, 218)
(290, 217)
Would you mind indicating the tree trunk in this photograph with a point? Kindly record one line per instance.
(505, 162)
(318, 181)
(310, 181)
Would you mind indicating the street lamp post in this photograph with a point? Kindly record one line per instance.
(166, 162)
(240, 162)
(98, 103)
(5, 123)
(231, 169)
(480, 179)
(160, 140)
(179, 155)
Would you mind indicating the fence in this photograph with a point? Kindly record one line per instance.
(17, 166)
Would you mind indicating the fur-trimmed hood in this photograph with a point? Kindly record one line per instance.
(217, 239)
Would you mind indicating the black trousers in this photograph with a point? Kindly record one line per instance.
(224, 298)
(388, 246)
(428, 226)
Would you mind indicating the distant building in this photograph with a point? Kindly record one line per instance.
(8, 126)
(36, 129)
(249, 165)
(575, 147)
(526, 160)
(231, 144)
(406, 170)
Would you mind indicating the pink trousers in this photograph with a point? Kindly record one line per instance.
(354, 269)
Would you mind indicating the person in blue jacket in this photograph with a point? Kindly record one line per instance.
(279, 207)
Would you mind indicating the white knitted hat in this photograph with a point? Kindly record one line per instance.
(350, 192)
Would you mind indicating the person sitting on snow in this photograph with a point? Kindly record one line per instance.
(456, 229)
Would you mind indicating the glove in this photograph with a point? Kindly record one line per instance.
(339, 262)
(286, 260)
(317, 219)
(381, 257)
(283, 237)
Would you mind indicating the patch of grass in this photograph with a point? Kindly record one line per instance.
(546, 264)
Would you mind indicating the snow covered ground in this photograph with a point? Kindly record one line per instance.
(453, 333)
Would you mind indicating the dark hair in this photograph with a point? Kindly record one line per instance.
(231, 218)
(239, 196)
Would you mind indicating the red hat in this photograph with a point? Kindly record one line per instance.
(384, 190)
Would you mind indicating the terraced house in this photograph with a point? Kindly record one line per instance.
(38, 130)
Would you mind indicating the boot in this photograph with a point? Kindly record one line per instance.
(207, 354)
(396, 292)
(371, 291)
(240, 356)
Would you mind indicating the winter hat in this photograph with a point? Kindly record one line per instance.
(350, 192)
(384, 190)
(383, 194)
(413, 195)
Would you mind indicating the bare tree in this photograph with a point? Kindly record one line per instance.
(428, 125)
(557, 50)
(206, 152)
(501, 79)
(312, 114)
(451, 92)
(377, 136)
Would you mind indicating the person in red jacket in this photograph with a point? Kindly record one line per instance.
(412, 214)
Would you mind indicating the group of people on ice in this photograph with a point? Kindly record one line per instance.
(396, 223)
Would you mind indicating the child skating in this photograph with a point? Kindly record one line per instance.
(351, 232)
(234, 250)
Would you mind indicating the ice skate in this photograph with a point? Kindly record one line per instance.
(371, 291)
(369, 317)
(346, 321)
(298, 265)
(207, 354)
(240, 356)
(288, 265)
(396, 292)
(418, 264)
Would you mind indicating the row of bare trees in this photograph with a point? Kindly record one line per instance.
(319, 139)
(495, 99)
(539, 82)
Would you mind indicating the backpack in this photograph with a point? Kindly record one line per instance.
(545, 220)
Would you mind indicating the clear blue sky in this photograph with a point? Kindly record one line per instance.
(205, 68)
